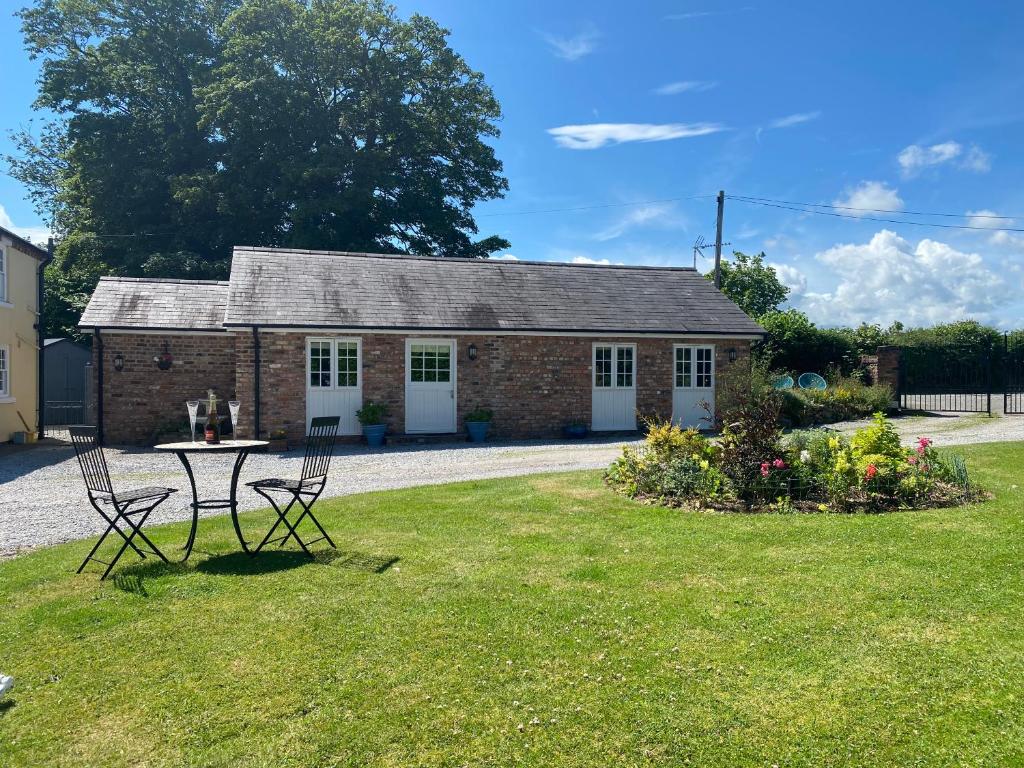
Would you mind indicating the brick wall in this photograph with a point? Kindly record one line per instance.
(534, 384)
(883, 367)
(140, 399)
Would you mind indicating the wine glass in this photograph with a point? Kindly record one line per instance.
(233, 406)
(193, 415)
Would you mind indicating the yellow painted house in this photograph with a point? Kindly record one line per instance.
(21, 264)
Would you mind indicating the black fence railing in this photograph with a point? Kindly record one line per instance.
(61, 413)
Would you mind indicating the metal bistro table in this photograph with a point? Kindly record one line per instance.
(241, 447)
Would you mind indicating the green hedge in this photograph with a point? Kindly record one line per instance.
(849, 399)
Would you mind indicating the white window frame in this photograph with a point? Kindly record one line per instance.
(453, 360)
(693, 385)
(615, 365)
(5, 368)
(332, 342)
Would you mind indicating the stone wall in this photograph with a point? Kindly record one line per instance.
(141, 400)
(883, 367)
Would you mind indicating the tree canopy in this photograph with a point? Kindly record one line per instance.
(752, 284)
(187, 126)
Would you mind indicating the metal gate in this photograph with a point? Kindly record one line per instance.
(1013, 379)
(945, 379)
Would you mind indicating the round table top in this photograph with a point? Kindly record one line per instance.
(187, 446)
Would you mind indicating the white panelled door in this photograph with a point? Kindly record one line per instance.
(693, 391)
(613, 401)
(334, 381)
(430, 385)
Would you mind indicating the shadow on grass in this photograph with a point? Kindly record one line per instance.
(5, 705)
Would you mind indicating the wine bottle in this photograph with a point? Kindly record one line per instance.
(212, 422)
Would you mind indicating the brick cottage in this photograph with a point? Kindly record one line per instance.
(296, 334)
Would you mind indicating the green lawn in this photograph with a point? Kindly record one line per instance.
(538, 621)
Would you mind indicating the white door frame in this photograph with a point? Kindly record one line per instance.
(693, 390)
(409, 342)
(348, 425)
(629, 423)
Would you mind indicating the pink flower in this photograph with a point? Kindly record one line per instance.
(764, 469)
(912, 459)
(871, 472)
(920, 450)
(779, 464)
(923, 443)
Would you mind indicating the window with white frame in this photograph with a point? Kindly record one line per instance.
(430, 363)
(333, 363)
(5, 372)
(3, 274)
(614, 366)
(695, 367)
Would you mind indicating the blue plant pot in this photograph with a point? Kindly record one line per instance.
(478, 430)
(374, 434)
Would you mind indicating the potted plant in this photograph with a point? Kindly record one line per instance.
(278, 440)
(576, 428)
(371, 416)
(478, 422)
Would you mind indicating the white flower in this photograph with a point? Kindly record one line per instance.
(805, 456)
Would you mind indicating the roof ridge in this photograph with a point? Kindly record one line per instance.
(455, 259)
(178, 280)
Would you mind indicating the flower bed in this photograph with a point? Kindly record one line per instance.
(755, 468)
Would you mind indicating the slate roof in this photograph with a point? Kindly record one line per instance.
(143, 303)
(327, 289)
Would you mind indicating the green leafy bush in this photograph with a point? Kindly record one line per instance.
(372, 414)
(848, 399)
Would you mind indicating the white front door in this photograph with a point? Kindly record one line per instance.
(693, 392)
(613, 399)
(334, 381)
(430, 385)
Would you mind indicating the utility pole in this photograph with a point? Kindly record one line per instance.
(718, 239)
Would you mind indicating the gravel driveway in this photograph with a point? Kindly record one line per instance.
(42, 500)
(42, 497)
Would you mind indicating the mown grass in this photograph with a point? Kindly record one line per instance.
(538, 621)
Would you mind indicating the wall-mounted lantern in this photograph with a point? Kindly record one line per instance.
(471, 351)
(732, 355)
(165, 359)
(118, 362)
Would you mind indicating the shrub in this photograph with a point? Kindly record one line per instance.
(848, 399)
(372, 414)
(480, 414)
(667, 441)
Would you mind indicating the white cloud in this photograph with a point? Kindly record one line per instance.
(703, 14)
(505, 257)
(915, 158)
(654, 214)
(977, 160)
(588, 260)
(889, 278)
(796, 119)
(869, 196)
(575, 47)
(685, 86)
(792, 278)
(987, 219)
(37, 235)
(597, 135)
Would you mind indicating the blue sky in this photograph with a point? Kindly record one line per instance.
(897, 106)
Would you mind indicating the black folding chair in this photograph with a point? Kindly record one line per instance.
(122, 506)
(304, 491)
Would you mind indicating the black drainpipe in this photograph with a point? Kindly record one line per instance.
(256, 382)
(99, 387)
(40, 341)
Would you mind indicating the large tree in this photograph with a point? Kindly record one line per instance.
(187, 126)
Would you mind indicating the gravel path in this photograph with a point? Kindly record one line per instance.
(42, 497)
(42, 500)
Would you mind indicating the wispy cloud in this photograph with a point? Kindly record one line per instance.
(704, 14)
(987, 219)
(588, 260)
(597, 135)
(505, 257)
(685, 86)
(574, 47)
(796, 119)
(869, 196)
(662, 215)
(915, 158)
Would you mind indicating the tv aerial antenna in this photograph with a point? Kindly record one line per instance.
(698, 248)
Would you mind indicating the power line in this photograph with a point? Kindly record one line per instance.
(751, 198)
(594, 207)
(855, 217)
